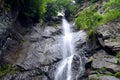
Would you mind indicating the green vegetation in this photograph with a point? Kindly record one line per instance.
(27, 10)
(67, 6)
(89, 19)
(51, 10)
(55, 6)
(7, 69)
(117, 74)
(118, 56)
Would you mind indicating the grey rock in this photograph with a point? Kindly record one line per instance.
(46, 48)
(105, 77)
(108, 78)
(109, 35)
(102, 59)
(35, 74)
(44, 51)
(93, 77)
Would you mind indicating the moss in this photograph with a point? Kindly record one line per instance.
(117, 74)
(7, 69)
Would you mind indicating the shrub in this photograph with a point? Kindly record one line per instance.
(28, 9)
(88, 20)
(117, 74)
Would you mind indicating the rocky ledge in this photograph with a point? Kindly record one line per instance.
(105, 62)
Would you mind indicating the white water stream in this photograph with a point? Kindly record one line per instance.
(64, 70)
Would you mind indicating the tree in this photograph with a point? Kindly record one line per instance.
(51, 10)
(26, 10)
(67, 6)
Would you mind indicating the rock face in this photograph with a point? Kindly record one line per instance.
(104, 62)
(41, 53)
(9, 38)
(109, 36)
(38, 53)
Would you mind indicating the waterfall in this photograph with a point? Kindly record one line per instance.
(64, 70)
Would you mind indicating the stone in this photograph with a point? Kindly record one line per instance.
(105, 77)
(35, 74)
(102, 59)
(44, 51)
(108, 36)
(93, 77)
(108, 78)
(46, 47)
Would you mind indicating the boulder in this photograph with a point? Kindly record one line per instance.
(108, 78)
(105, 77)
(109, 36)
(101, 59)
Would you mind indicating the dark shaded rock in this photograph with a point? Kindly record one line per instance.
(9, 38)
(35, 74)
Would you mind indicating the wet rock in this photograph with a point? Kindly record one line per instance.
(77, 67)
(44, 51)
(52, 31)
(79, 39)
(109, 36)
(102, 59)
(46, 47)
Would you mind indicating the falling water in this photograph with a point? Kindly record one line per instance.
(64, 71)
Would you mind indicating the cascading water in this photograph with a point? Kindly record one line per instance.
(64, 70)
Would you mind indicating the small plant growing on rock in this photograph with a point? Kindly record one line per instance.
(7, 69)
(117, 74)
(118, 56)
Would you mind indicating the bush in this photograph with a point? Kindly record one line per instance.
(28, 9)
(51, 10)
(117, 74)
(89, 19)
(112, 10)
